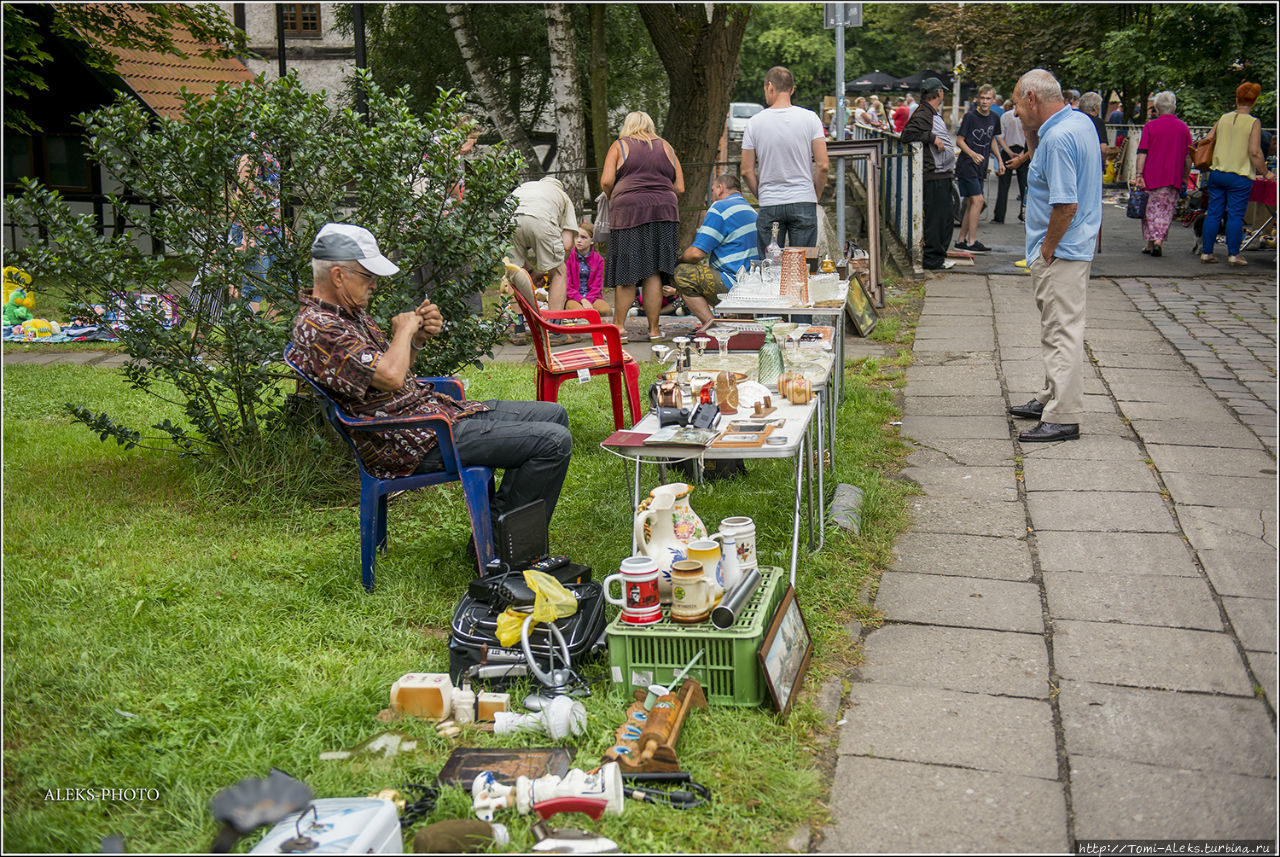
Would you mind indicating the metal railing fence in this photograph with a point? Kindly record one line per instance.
(901, 188)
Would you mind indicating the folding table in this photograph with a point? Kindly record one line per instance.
(797, 422)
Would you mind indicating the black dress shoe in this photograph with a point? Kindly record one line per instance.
(1030, 411)
(1046, 432)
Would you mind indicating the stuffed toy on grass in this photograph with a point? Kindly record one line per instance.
(17, 309)
(17, 299)
(39, 328)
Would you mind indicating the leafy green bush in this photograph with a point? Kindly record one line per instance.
(392, 173)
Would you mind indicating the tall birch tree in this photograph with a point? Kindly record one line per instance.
(566, 95)
(485, 87)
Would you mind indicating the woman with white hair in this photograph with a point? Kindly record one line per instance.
(1164, 160)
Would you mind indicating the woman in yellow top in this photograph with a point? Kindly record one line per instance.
(1237, 154)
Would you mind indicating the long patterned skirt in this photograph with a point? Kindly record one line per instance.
(1161, 203)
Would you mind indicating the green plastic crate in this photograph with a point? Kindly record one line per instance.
(728, 670)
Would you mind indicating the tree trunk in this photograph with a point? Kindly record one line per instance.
(567, 98)
(701, 61)
(486, 88)
(599, 91)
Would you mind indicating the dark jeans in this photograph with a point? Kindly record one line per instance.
(1002, 195)
(938, 222)
(797, 225)
(530, 441)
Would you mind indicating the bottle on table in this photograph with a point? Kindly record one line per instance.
(774, 251)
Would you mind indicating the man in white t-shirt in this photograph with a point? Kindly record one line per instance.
(784, 163)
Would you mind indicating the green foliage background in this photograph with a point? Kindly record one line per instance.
(412, 45)
(392, 173)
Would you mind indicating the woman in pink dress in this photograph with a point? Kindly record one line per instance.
(1164, 161)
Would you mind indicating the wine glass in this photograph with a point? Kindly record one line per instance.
(793, 338)
(722, 336)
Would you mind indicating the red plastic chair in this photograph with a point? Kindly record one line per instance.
(477, 482)
(605, 355)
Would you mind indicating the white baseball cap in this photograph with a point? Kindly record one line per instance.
(346, 242)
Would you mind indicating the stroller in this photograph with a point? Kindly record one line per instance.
(1195, 205)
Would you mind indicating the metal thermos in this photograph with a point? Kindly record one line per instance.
(726, 613)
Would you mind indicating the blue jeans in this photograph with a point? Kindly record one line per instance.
(797, 225)
(530, 441)
(1229, 193)
(256, 266)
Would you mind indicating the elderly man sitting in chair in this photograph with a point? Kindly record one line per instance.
(338, 345)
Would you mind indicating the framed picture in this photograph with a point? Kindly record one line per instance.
(784, 654)
(859, 308)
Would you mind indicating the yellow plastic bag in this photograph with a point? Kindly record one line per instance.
(551, 601)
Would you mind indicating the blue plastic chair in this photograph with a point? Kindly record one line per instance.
(477, 482)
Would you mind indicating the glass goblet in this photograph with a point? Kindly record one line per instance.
(722, 336)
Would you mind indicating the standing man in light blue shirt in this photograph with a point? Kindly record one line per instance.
(1064, 213)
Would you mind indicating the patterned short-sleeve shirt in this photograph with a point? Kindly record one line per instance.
(340, 351)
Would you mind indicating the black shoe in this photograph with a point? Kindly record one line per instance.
(960, 245)
(1155, 251)
(978, 247)
(1046, 432)
(1030, 411)
(1022, 215)
(1001, 220)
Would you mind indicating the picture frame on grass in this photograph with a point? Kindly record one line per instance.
(784, 655)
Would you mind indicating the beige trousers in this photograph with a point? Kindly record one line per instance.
(1060, 296)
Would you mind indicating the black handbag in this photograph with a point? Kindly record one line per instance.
(1137, 207)
(473, 640)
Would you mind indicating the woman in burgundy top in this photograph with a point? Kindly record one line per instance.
(1164, 160)
(642, 178)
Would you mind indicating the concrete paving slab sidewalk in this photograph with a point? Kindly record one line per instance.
(1114, 596)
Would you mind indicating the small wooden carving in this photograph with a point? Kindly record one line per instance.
(763, 409)
(726, 393)
(646, 741)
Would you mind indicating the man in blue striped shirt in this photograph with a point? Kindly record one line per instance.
(727, 239)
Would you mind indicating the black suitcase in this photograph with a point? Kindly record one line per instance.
(473, 638)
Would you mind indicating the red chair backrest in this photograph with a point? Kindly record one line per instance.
(538, 331)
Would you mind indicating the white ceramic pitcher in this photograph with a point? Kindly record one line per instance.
(655, 536)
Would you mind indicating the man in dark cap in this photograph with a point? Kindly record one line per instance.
(338, 345)
(926, 126)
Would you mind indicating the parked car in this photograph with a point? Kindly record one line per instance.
(739, 113)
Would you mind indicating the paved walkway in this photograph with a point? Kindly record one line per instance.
(1075, 633)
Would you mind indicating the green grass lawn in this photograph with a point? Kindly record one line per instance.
(161, 635)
